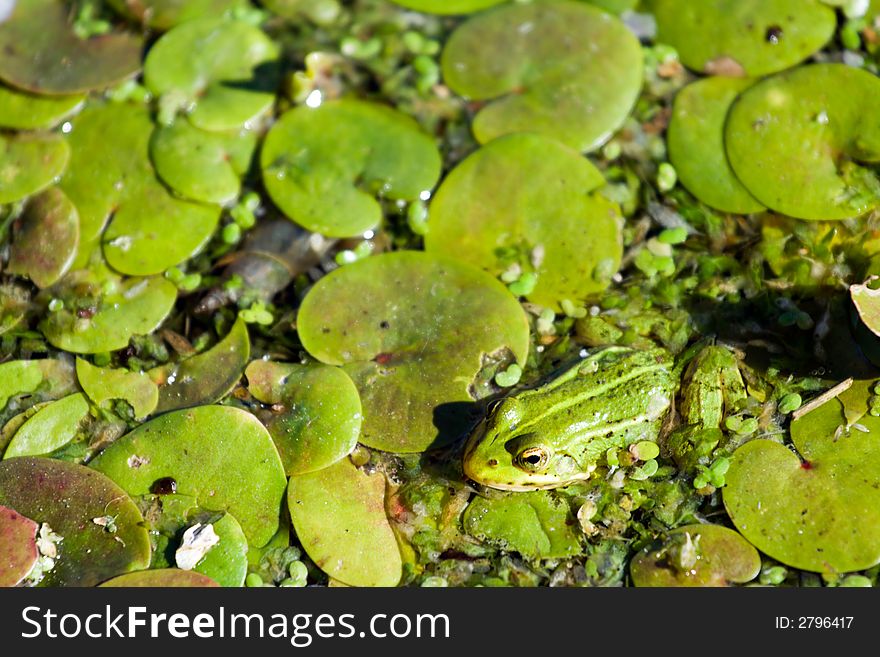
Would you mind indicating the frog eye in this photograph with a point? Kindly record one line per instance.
(532, 459)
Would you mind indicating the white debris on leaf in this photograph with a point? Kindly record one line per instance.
(47, 541)
(197, 541)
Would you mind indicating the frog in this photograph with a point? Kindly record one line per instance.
(558, 432)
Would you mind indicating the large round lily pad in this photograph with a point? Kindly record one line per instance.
(448, 6)
(567, 70)
(29, 163)
(165, 14)
(53, 378)
(103, 384)
(538, 525)
(817, 509)
(339, 517)
(70, 498)
(696, 144)
(523, 195)
(110, 174)
(18, 546)
(46, 244)
(51, 428)
(796, 141)
(43, 54)
(162, 578)
(325, 166)
(223, 72)
(23, 111)
(222, 456)
(751, 37)
(411, 329)
(316, 412)
(697, 555)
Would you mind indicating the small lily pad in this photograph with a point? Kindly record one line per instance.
(42, 53)
(23, 111)
(222, 456)
(756, 37)
(226, 562)
(165, 14)
(162, 578)
(696, 144)
(18, 547)
(411, 329)
(448, 6)
(796, 141)
(524, 195)
(569, 71)
(339, 517)
(325, 167)
(52, 377)
(538, 525)
(697, 555)
(819, 509)
(68, 497)
(46, 245)
(206, 377)
(103, 384)
(316, 415)
(29, 163)
(135, 306)
(51, 428)
(222, 72)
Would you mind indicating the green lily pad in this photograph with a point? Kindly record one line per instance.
(29, 163)
(756, 37)
(866, 319)
(23, 111)
(51, 428)
(226, 562)
(206, 377)
(818, 510)
(136, 306)
(697, 555)
(165, 14)
(46, 244)
(339, 517)
(42, 54)
(69, 498)
(325, 166)
(102, 384)
(16, 421)
(448, 6)
(200, 165)
(527, 194)
(322, 12)
(110, 174)
(223, 72)
(696, 144)
(316, 415)
(411, 329)
(18, 547)
(162, 578)
(569, 71)
(53, 379)
(795, 141)
(222, 456)
(538, 525)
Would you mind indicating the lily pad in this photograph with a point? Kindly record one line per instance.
(796, 141)
(110, 175)
(52, 377)
(339, 517)
(223, 72)
(696, 144)
(816, 510)
(569, 71)
(18, 547)
(755, 37)
(222, 456)
(42, 53)
(226, 562)
(448, 6)
(325, 167)
(206, 377)
(103, 384)
(165, 14)
(538, 525)
(162, 578)
(322, 12)
(697, 555)
(200, 165)
(526, 194)
(29, 163)
(51, 428)
(316, 415)
(68, 498)
(411, 329)
(123, 309)
(23, 111)
(46, 244)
